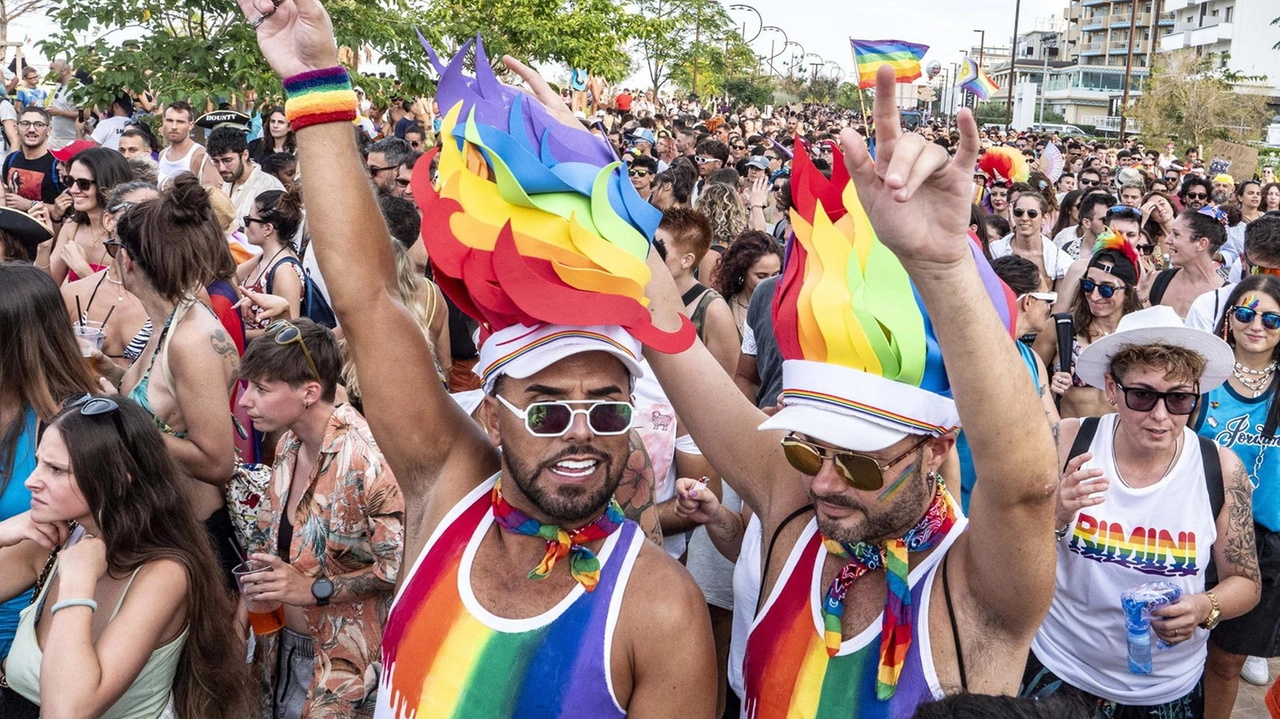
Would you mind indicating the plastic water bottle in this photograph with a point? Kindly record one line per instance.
(1138, 602)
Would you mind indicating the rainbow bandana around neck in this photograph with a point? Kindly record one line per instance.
(533, 223)
(863, 369)
(896, 629)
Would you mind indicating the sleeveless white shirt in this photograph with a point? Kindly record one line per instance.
(1161, 533)
(168, 168)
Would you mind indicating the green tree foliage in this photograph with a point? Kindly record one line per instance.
(198, 49)
(1190, 100)
(693, 43)
(590, 34)
(750, 89)
(847, 96)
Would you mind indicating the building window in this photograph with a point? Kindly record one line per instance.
(1226, 14)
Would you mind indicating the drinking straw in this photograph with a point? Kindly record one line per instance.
(110, 309)
(79, 312)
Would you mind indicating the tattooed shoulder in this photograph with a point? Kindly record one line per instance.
(1241, 547)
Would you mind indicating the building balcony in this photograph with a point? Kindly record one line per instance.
(1118, 48)
(1210, 35)
(1095, 3)
(1093, 25)
(1073, 13)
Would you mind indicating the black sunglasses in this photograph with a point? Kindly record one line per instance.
(1087, 183)
(638, 173)
(91, 406)
(112, 247)
(1144, 400)
(858, 470)
(1245, 316)
(1087, 286)
(1145, 249)
(82, 183)
(1032, 213)
(250, 219)
(374, 169)
(285, 332)
(1196, 196)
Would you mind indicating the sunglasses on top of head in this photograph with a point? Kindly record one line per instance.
(93, 406)
(860, 471)
(1246, 315)
(605, 418)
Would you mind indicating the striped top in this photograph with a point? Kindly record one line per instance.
(446, 657)
(787, 672)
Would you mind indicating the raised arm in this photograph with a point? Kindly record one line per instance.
(422, 432)
(918, 201)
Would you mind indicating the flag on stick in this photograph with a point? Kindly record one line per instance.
(904, 57)
(973, 79)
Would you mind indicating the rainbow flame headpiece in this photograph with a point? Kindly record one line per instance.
(534, 228)
(862, 367)
(1004, 166)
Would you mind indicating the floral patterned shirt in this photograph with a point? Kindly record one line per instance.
(349, 519)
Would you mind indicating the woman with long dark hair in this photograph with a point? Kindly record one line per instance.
(1108, 291)
(1271, 197)
(1066, 227)
(40, 366)
(185, 374)
(272, 225)
(80, 250)
(1243, 415)
(277, 136)
(752, 258)
(130, 620)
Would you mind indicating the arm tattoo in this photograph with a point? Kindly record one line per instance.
(350, 587)
(1241, 547)
(728, 529)
(637, 492)
(225, 348)
(1055, 432)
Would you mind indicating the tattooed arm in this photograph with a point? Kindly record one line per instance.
(637, 492)
(1234, 554)
(203, 363)
(359, 585)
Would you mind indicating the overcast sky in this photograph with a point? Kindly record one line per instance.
(824, 27)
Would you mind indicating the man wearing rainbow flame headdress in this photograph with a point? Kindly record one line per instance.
(530, 595)
(845, 479)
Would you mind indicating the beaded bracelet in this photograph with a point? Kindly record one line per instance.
(319, 96)
(92, 605)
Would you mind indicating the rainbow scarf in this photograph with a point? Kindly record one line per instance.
(584, 566)
(903, 57)
(896, 631)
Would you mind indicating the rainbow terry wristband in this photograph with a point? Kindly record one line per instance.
(319, 96)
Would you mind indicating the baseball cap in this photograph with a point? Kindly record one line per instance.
(70, 151)
(760, 162)
(521, 351)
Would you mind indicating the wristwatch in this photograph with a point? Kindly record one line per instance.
(1214, 614)
(322, 590)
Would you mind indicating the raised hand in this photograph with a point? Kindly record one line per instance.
(916, 196)
(296, 35)
(1079, 488)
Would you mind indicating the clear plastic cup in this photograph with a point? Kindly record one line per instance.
(89, 335)
(264, 617)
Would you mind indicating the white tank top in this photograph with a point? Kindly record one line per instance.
(1161, 533)
(168, 168)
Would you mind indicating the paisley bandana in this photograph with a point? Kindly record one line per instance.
(896, 631)
(583, 564)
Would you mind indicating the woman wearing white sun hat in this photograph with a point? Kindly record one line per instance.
(1144, 499)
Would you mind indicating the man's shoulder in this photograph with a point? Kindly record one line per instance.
(664, 587)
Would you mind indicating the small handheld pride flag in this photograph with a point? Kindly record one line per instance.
(973, 79)
(904, 57)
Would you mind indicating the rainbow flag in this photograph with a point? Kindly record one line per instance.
(973, 79)
(904, 57)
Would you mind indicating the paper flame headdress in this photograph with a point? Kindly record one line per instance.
(1113, 254)
(533, 223)
(1004, 166)
(852, 328)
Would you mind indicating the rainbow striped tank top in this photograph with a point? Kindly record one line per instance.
(787, 672)
(445, 657)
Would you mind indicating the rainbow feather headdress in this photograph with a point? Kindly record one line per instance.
(534, 223)
(862, 364)
(1004, 166)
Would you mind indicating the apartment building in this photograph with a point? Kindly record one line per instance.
(1238, 30)
(1100, 32)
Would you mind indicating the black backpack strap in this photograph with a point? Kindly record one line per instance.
(1217, 496)
(768, 555)
(1161, 284)
(1084, 438)
(697, 289)
(271, 273)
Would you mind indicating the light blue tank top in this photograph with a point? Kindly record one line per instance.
(967, 474)
(1236, 422)
(15, 500)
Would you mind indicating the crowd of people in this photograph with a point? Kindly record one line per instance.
(874, 422)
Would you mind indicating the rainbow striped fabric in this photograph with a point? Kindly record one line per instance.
(973, 79)
(904, 57)
(445, 657)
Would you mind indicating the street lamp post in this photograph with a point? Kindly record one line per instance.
(744, 6)
(982, 44)
(791, 66)
(774, 55)
(1013, 68)
(1048, 41)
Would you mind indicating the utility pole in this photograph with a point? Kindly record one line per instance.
(1128, 68)
(1047, 40)
(1013, 69)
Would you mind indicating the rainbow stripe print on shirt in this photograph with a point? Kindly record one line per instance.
(1150, 550)
(441, 662)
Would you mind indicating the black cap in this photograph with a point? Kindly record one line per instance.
(227, 118)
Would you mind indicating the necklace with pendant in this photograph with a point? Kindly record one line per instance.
(119, 285)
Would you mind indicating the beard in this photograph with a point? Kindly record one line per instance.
(881, 521)
(565, 503)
